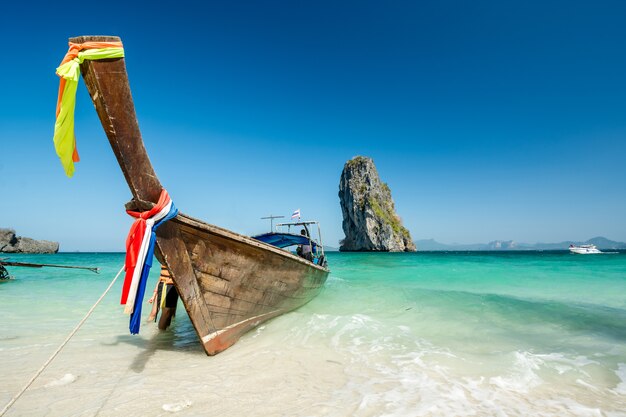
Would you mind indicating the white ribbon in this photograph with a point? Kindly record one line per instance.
(141, 257)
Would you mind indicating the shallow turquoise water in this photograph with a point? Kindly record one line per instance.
(511, 333)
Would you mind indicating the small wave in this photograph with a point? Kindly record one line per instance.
(26, 347)
(523, 377)
(258, 331)
(177, 406)
(335, 278)
(65, 380)
(621, 374)
(576, 362)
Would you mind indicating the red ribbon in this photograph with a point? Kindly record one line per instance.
(135, 237)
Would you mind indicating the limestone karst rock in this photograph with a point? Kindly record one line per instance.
(10, 243)
(370, 222)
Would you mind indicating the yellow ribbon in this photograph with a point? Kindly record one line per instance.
(64, 140)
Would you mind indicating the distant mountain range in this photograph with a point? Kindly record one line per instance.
(432, 245)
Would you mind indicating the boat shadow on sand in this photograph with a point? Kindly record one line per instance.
(179, 337)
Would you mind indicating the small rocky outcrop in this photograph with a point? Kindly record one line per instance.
(370, 222)
(11, 243)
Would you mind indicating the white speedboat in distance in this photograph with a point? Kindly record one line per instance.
(584, 249)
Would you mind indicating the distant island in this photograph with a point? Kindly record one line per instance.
(370, 221)
(11, 243)
(496, 245)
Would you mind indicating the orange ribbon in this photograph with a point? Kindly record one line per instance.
(72, 53)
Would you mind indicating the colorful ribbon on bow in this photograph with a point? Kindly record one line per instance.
(69, 71)
(139, 253)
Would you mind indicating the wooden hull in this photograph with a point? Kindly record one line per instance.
(229, 283)
(242, 282)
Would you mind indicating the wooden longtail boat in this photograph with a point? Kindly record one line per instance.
(228, 283)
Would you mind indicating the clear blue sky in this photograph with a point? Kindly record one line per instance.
(488, 119)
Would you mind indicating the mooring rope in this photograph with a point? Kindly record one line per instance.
(67, 339)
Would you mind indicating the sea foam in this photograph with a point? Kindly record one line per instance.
(177, 406)
(64, 380)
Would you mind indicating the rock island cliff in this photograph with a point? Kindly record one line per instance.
(370, 222)
(11, 243)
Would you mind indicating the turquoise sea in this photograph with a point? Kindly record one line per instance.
(424, 334)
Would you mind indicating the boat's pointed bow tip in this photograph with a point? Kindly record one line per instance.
(97, 38)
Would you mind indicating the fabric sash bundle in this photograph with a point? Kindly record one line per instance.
(69, 71)
(139, 253)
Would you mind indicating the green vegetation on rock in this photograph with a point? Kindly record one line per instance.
(357, 160)
(387, 216)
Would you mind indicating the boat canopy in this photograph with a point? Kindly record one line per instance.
(282, 240)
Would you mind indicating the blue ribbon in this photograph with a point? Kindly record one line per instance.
(135, 317)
